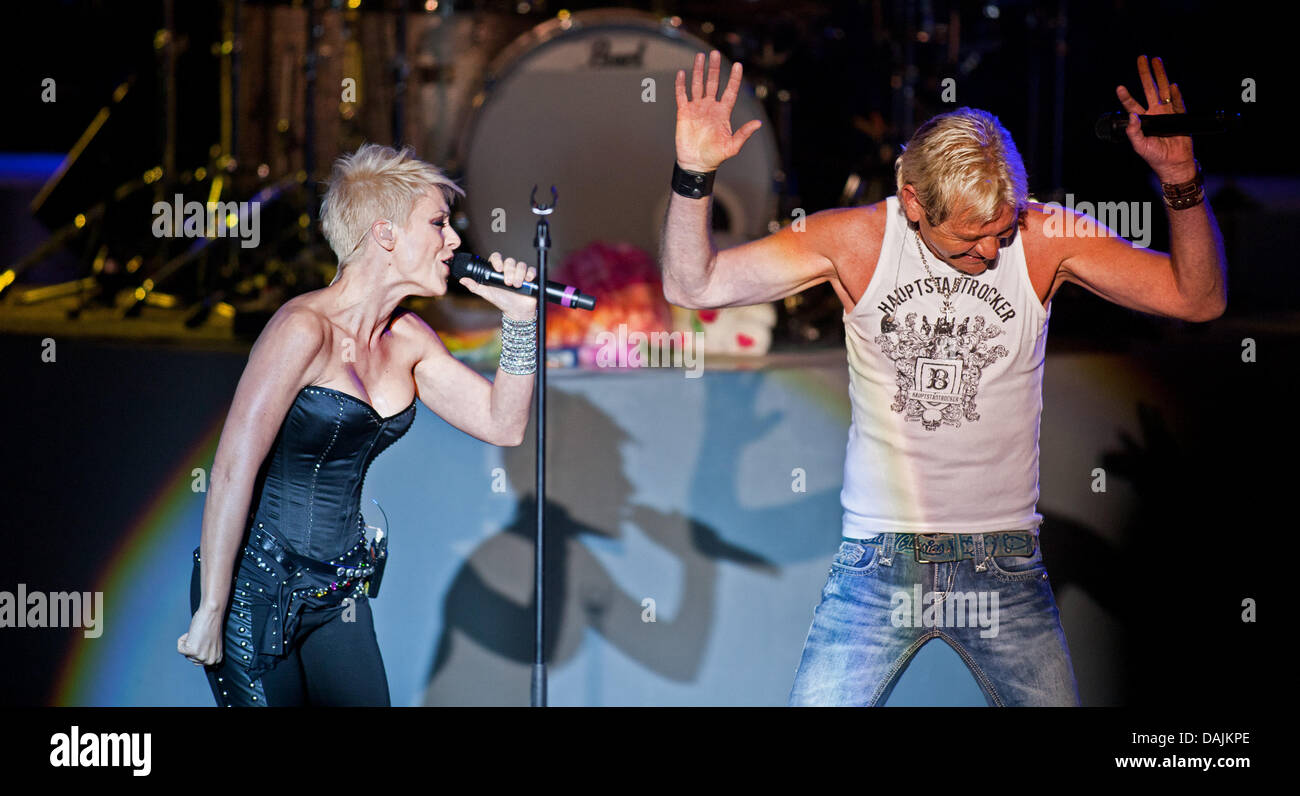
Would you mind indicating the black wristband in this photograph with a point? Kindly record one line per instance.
(692, 184)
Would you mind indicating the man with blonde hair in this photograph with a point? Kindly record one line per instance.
(947, 290)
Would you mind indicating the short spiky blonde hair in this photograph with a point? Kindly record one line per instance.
(963, 162)
(372, 183)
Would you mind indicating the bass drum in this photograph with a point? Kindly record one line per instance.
(586, 104)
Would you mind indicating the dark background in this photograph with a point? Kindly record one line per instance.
(846, 67)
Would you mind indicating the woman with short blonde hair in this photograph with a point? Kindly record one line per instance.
(330, 383)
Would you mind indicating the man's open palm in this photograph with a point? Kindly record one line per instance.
(704, 137)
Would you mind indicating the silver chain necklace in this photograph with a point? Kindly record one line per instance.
(947, 295)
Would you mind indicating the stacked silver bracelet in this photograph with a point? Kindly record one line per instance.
(518, 346)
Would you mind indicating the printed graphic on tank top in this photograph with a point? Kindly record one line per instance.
(945, 384)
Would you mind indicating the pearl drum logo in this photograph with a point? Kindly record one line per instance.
(938, 367)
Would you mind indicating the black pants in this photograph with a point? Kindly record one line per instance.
(332, 662)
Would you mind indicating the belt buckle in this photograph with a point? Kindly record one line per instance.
(938, 537)
(1001, 543)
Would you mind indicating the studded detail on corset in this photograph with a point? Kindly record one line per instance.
(309, 490)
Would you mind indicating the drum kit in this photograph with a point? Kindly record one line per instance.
(583, 101)
(499, 100)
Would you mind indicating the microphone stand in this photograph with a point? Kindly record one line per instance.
(543, 243)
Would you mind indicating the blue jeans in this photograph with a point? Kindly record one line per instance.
(879, 606)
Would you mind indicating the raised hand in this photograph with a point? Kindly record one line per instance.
(1170, 157)
(704, 137)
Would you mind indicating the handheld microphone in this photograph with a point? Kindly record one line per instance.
(1110, 127)
(481, 271)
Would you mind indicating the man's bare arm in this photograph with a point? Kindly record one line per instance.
(698, 276)
(1191, 282)
(695, 274)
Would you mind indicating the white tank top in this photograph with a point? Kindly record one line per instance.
(946, 408)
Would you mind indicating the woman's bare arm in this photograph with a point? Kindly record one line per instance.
(284, 359)
(494, 411)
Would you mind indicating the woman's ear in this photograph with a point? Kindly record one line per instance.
(383, 232)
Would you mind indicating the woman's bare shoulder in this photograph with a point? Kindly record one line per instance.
(303, 310)
(297, 328)
(414, 331)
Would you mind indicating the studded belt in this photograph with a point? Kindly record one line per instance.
(277, 585)
(342, 572)
(935, 548)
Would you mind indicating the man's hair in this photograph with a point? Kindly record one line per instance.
(963, 162)
(372, 183)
